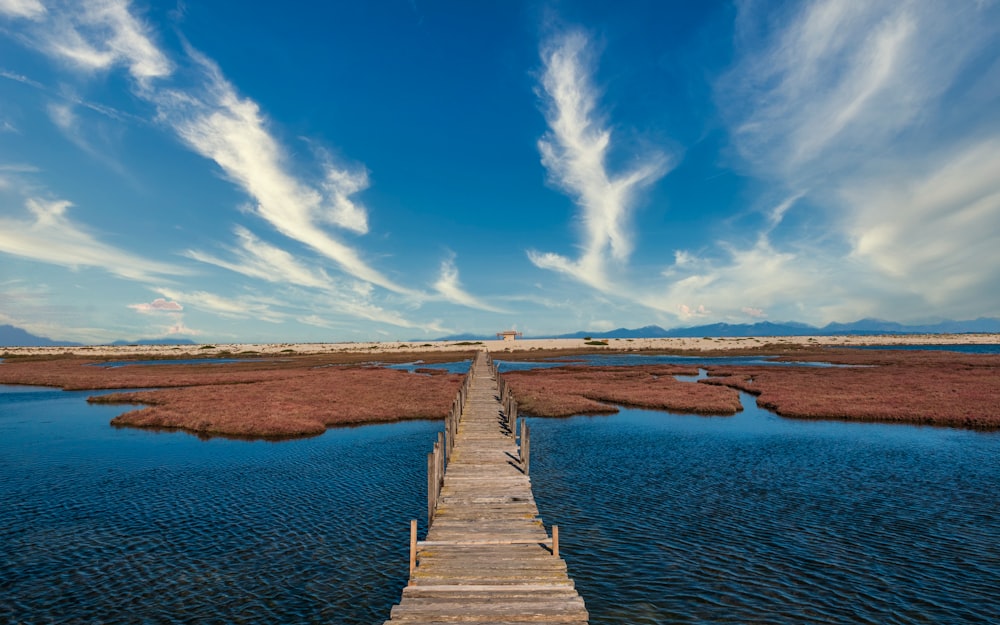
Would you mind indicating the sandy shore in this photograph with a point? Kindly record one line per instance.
(648, 344)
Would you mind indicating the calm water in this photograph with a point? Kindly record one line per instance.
(664, 519)
(758, 519)
(104, 525)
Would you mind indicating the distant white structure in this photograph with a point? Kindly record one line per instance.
(509, 335)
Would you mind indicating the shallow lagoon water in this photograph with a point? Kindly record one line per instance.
(664, 519)
(756, 518)
(106, 525)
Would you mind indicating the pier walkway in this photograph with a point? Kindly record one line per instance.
(487, 557)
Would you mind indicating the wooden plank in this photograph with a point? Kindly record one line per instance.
(487, 557)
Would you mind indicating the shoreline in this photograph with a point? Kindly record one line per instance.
(703, 344)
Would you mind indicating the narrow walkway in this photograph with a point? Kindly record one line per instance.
(487, 557)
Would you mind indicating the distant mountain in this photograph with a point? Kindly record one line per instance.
(793, 328)
(768, 328)
(11, 336)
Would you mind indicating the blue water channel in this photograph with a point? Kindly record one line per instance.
(664, 518)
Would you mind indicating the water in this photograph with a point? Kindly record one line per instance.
(461, 366)
(105, 525)
(664, 519)
(754, 518)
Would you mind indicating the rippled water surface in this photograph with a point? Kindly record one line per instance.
(104, 525)
(664, 519)
(758, 519)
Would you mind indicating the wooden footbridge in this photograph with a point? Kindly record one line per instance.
(487, 557)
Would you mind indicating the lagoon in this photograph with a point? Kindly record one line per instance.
(664, 518)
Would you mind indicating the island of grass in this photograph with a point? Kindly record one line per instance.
(298, 395)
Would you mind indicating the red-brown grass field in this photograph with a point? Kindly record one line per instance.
(287, 397)
(302, 395)
(567, 391)
(919, 386)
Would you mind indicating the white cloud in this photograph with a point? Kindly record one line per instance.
(99, 34)
(243, 307)
(220, 125)
(686, 312)
(62, 116)
(449, 285)
(936, 231)
(756, 313)
(49, 236)
(871, 119)
(30, 9)
(575, 153)
(836, 77)
(257, 259)
(157, 305)
(179, 328)
(217, 123)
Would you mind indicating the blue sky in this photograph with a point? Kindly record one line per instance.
(410, 169)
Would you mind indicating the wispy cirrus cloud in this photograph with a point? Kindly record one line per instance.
(878, 123)
(829, 83)
(91, 36)
(48, 235)
(257, 259)
(934, 230)
(231, 131)
(240, 307)
(29, 9)
(575, 153)
(215, 121)
(450, 287)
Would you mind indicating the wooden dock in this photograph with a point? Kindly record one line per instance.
(487, 557)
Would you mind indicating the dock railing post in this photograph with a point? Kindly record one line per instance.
(555, 540)
(430, 487)
(413, 545)
(442, 462)
(525, 446)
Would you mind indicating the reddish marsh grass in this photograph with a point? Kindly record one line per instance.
(296, 406)
(295, 396)
(922, 387)
(566, 391)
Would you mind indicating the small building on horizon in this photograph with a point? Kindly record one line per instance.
(509, 335)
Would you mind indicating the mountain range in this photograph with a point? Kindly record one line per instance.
(768, 328)
(11, 336)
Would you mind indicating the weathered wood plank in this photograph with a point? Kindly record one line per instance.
(487, 557)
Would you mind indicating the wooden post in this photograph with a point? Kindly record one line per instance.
(439, 447)
(430, 487)
(413, 545)
(525, 446)
(447, 439)
(555, 540)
